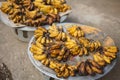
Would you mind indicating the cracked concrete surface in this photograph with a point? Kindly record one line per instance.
(102, 14)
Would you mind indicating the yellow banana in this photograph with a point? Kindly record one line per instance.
(59, 37)
(81, 52)
(40, 57)
(85, 51)
(107, 59)
(43, 40)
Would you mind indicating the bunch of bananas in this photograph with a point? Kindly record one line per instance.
(89, 67)
(57, 33)
(59, 52)
(75, 31)
(66, 71)
(94, 45)
(42, 36)
(38, 51)
(76, 48)
(62, 70)
(84, 41)
(54, 47)
(6, 7)
(90, 44)
(109, 53)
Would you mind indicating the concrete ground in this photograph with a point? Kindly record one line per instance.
(103, 14)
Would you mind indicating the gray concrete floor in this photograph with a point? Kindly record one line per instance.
(103, 14)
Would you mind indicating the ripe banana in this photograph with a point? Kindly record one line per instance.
(89, 69)
(96, 70)
(82, 70)
(40, 57)
(107, 59)
(66, 73)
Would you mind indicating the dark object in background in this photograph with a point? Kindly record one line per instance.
(5, 74)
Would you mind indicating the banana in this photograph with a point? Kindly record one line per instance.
(40, 57)
(52, 65)
(37, 52)
(82, 70)
(89, 69)
(45, 62)
(63, 36)
(73, 67)
(53, 55)
(34, 47)
(107, 59)
(31, 14)
(96, 70)
(38, 39)
(85, 51)
(8, 10)
(43, 40)
(59, 58)
(99, 56)
(62, 52)
(59, 75)
(59, 36)
(72, 73)
(54, 33)
(79, 34)
(92, 46)
(63, 67)
(57, 70)
(66, 73)
(47, 40)
(81, 52)
(55, 46)
(82, 34)
(33, 51)
(39, 45)
(96, 45)
(75, 34)
(99, 44)
(102, 63)
(72, 29)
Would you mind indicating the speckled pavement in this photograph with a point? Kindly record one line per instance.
(102, 14)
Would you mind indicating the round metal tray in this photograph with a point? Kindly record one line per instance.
(91, 33)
